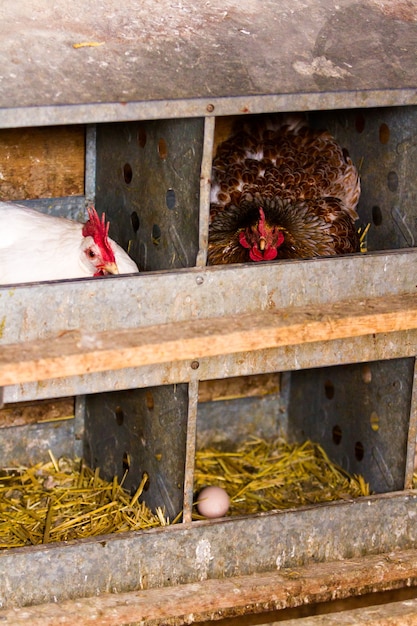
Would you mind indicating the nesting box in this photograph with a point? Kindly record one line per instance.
(337, 336)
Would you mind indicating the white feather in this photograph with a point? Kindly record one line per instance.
(35, 246)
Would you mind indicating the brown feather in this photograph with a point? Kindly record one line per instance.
(305, 183)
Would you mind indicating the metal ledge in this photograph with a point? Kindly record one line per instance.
(189, 553)
(114, 62)
(123, 303)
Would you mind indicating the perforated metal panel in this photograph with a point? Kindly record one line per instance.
(383, 144)
(360, 414)
(147, 178)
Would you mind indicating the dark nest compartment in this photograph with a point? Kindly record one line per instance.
(263, 475)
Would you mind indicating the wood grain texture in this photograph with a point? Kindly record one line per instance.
(74, 353)
(42, 162)
(238, 387)
(243, 595)
(22, 413)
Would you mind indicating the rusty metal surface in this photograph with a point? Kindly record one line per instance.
(403, 613)
(189, 457)
(147, 60)
(207, 550)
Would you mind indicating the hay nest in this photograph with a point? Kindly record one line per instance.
(264, 475)
(64, 499)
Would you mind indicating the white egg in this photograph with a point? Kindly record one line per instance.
(213, 502)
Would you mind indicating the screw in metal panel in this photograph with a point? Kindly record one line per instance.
(210, 108)
(195, 365)
(199, 280)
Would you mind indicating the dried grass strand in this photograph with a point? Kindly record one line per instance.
(263, 475)
(63, 500)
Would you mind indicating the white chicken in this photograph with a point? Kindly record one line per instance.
(35, 246)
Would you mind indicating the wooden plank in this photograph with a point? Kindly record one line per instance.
(392, 614)
(42, 162)
(76, 352)
(238, 387)
(22, 413)
(242, 595)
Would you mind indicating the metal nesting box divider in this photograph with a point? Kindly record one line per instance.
(133, 349)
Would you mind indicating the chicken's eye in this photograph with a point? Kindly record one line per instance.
(91, 254)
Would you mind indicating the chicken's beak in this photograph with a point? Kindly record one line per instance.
(262, 243)
(111, 268)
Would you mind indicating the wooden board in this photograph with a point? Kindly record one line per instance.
(74, 352)
(21, 413)
(42, 162)
(238, 387)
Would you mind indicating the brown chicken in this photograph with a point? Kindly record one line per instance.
(281, 190)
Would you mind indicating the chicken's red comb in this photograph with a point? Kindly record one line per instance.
(99, 230)
(261, 223)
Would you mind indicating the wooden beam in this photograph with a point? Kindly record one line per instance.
(391, 614)
(242, 595)
(79, 352)
(23, 413)
(42, 162)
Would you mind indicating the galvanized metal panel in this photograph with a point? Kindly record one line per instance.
(383, 144)
(72, 207)
(137, 432)
(180, 59)
(355, 350)
(360, 414)
(223, 424)
(147, 182)
(199, 107)
(93, 305)
(151, 298)
(192, 552)
(27, 445)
